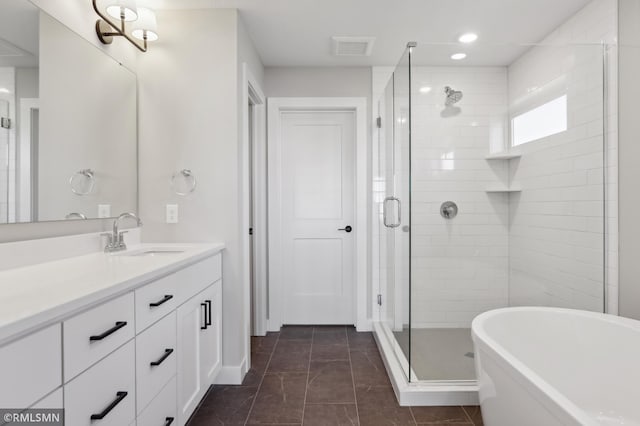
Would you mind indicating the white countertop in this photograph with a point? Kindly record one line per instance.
(34, 296)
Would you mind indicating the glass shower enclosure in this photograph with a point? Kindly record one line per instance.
(488, 192)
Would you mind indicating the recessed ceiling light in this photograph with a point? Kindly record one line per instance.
(458, 56)
(468, 38)
(425, 89)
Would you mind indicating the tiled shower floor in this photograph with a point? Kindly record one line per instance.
(439, 353)
(318, 376)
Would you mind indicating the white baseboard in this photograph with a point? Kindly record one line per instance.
(364, 325)
(232, 375)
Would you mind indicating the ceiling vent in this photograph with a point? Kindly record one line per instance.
(352, 46)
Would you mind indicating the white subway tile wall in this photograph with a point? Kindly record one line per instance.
(7, 151)
(557, 231)
(459, 266)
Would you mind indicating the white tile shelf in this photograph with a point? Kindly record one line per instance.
(503, 189)
(506, 155)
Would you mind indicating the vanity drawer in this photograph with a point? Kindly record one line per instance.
(155, 359)
(155, 300)
(106, 390)
(163, 410)
(30, 368)
(94, 334)
(195, 278)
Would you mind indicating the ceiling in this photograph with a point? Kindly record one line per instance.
(298, 32)
(18, 33)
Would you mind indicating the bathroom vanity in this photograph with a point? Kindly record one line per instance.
(127, 338)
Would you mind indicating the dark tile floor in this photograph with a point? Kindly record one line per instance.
(319, 376)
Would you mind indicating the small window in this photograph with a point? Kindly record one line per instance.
(546, 120)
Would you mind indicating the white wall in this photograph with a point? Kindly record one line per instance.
(189, 115)
(629, 15)
(556, 239)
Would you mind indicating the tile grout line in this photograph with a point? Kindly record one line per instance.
(306, 383)
(353, 379)
(264, 373)
(468, 415)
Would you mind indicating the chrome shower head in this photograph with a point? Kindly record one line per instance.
(453, 96)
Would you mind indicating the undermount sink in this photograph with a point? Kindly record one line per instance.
(153, 252)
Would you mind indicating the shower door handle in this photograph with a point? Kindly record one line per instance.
(385, 211)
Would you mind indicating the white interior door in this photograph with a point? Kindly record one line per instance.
(317, 201)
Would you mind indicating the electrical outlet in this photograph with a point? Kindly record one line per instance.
(104, 210)
(172, 213)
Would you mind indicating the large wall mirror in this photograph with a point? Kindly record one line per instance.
(68, 131)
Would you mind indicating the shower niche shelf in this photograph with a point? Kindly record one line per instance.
(506, 155)
(503, 189)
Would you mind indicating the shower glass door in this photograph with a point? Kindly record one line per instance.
(393, 203)
(491, 192)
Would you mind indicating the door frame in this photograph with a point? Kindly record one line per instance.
(275, 108)
(256, 142)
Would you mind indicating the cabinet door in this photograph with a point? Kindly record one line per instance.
(211, 337)
(191, 318)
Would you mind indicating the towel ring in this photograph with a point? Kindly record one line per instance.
(183, 182)
(87, 183)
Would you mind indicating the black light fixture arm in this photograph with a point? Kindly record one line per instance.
(106, 29)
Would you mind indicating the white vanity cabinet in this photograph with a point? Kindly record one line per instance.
(31, 368)
(199, 347)
(145, 356)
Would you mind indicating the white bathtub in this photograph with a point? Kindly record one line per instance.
(547, 366)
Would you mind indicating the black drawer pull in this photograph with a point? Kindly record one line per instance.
(109, 332)
(119, 397)
(206, 323)
(167, 352)
(168, 421)
(165, 299)
(208, 302)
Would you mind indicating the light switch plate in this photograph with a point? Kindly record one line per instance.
(172, 213)
(104, 210)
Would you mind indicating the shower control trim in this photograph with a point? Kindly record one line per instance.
(385, 211)
(449, 210)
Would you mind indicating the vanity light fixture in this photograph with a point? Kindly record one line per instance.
(143, 23)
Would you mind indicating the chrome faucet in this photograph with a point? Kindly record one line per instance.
(115, 240)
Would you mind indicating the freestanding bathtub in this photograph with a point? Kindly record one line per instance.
(548, 366)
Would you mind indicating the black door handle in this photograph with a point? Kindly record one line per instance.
(206, 323)
(109, 332)
(208, 320)
(167, 352)
(119, 397)
(165, 299)
(347, 228)
(168, 421)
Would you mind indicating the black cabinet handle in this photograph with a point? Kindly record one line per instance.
(109, 332)
(119, 397)
(208, 302)
(165, 299)
(168, 421)
(167, 352)
(206, 324)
